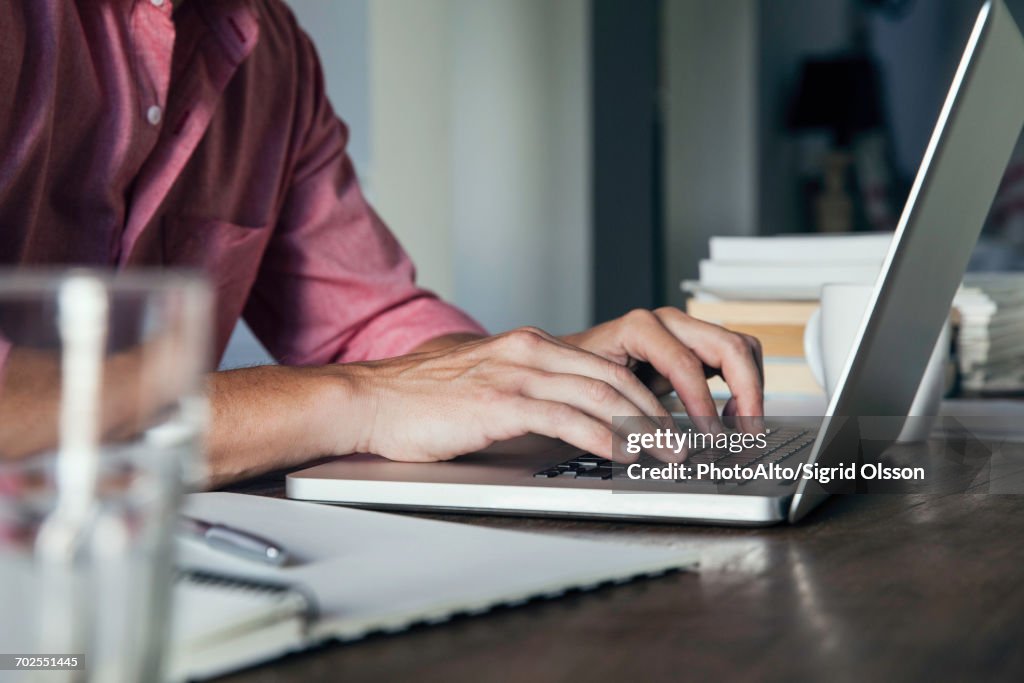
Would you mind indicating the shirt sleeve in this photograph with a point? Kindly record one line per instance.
(334, 284)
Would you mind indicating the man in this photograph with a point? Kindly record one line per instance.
(145, 132)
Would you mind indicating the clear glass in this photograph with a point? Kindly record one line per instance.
(102, 418)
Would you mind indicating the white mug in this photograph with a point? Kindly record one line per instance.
(828, 341)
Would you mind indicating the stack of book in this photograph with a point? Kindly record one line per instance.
(768, 287)
(990, 337)
(779, 325)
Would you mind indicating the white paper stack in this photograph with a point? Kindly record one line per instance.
(991, 334)
(768, 287)
(788, 267)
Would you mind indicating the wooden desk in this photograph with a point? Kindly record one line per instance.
(868, 587)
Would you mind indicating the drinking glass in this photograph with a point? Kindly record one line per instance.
(102, 418)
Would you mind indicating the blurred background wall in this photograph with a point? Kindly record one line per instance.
(473, 130)
(470, 132)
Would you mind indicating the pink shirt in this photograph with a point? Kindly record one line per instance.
(128, 138)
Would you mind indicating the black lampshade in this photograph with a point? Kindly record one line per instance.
(839, 94)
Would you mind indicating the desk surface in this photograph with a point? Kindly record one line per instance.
(868, 587)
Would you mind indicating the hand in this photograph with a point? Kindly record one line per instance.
(683, 351)
(457, 398)
(444, 403)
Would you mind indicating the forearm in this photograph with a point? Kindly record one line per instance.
(274, 417)
(262, 418)
(30, 398)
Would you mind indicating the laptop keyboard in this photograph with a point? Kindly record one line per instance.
(586, 466)
(782, 443)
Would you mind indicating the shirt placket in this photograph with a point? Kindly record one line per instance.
(183, 121)
(153, 36)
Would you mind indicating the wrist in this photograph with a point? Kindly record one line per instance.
(346, 408)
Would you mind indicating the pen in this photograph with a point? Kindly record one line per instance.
(234, 541)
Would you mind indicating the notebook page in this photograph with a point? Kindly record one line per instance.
(372, 570)
(220, 626)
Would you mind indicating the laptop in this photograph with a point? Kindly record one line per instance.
(955, 185)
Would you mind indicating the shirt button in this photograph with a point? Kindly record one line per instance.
(154, 113)
(157, 3)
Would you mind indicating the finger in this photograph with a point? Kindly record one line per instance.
(648, 340)
(755, 347)
(748, 424)
(755, 423)
(726, 351)
(729, 409)
(602, 401)
(562, 421)
(540, 351)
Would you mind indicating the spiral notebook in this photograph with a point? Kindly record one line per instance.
(357, 572)
(221, 623)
